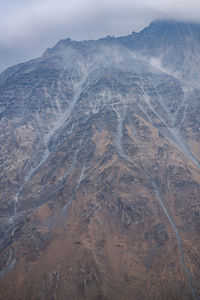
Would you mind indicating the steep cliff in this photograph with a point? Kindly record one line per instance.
(100, 169)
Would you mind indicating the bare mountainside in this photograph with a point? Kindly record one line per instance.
(100, 169)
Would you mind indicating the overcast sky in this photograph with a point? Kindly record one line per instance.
(28, 27)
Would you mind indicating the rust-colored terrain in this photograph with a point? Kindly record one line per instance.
(100, 171)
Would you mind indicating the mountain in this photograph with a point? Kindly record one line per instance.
(100, 169)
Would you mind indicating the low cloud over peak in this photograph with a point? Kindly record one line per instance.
(28, 27)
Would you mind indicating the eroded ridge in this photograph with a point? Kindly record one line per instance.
(179, 240)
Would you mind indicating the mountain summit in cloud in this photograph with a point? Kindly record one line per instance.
(167, 44)
(29, 27)
(100, 169)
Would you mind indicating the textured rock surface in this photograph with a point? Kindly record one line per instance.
(100, 169)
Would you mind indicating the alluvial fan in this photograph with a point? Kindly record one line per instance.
(100, 169)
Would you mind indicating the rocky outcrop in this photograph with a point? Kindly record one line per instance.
(100, 178)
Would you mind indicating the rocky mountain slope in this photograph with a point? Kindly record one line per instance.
(100, 169)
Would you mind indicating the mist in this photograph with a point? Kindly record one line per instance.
(27, 28)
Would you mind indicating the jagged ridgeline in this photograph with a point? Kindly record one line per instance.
(100, 169)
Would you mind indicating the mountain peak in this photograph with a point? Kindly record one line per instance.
(174, 27)
(100, 158)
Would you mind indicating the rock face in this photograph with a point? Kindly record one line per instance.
(100, 169)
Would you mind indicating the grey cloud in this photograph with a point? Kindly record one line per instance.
(28, 27)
